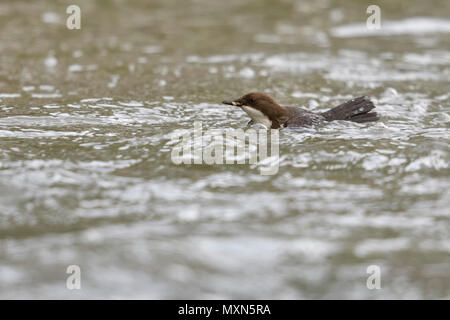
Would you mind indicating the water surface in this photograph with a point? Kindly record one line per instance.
(88, 117)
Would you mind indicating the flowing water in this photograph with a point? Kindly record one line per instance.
(87, 124)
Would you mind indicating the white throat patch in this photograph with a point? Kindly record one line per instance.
(257, 116)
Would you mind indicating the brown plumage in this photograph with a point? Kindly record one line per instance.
(263, 109)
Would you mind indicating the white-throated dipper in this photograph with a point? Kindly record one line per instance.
(262, 109)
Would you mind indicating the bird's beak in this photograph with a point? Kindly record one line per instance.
(236, 103)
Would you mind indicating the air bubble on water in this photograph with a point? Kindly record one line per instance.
(77, 54)
(46, 88)
(247, 73)
(50, 61)
(28, 88)
(75, 68)
(390, 92)
(50, 17)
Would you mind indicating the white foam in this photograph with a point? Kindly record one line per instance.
(247, 73)
(225, 58)
(381, 246)
(46, 95)
(46, 88)
(413, 26)
(10, 95)
(95, 99)
(132, 104)
(28, 88)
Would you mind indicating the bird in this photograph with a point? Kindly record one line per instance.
(263, 110)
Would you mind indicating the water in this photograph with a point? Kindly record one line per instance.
(88, 117)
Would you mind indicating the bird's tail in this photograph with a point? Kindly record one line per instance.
(357, 110)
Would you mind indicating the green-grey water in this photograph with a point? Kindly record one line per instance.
(88, 117)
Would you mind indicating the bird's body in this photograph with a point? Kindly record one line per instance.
(299, 117)
(262, 109)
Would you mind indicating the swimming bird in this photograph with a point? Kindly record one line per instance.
(262, 109)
